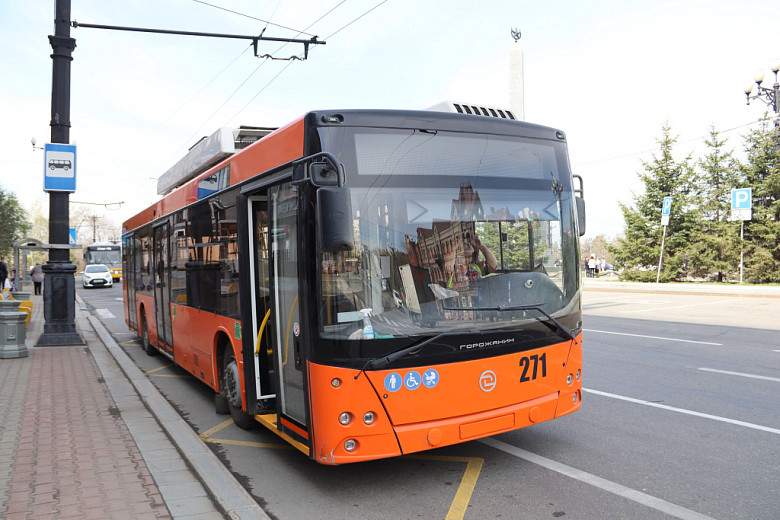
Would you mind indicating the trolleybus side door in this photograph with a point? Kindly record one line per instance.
(161, 283)
(129, 281)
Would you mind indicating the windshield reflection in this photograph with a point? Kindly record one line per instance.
(424, 257)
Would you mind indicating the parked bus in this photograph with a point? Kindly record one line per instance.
(368, 284)
(105, 253)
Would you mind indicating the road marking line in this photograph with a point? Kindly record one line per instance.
(152, 371)
(215, 429)
(776, 351)
(206, 437)
(462, 496)
(654, 337)
(105, 313)
(753, 376)
(684, 411)
(250, 443)
(676, 307)
(601, 483)
(467, 484)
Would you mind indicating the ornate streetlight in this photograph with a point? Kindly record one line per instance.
(770, 96)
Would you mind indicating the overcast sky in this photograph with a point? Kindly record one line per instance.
(608, 73)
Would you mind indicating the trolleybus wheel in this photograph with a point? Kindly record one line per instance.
(145, 343)
(230, 388)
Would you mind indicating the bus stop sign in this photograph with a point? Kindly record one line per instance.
(59, 167)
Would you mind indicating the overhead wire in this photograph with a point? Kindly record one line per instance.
(189, 100)
(290, 63)
(267, 22)
(235, 91)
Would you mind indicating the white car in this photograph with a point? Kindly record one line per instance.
(96, 275)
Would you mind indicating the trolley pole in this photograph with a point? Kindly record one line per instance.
(59, 286)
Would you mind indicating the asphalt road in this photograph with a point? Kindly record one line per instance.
(680, 419)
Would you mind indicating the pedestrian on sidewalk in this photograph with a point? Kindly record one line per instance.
(37, 277)
(3, 272)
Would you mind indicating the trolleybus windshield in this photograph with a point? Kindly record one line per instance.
(452, 232)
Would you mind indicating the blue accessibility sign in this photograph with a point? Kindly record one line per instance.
(430, 378)
(412, 380)
(393, 382)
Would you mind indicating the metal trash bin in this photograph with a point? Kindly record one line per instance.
(13, 330)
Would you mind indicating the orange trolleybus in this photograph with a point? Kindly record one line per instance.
(369, 284)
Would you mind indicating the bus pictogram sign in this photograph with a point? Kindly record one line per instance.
(59, 167)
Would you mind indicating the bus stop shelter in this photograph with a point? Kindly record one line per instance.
(20, 249)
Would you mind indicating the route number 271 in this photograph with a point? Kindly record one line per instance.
(532, 363)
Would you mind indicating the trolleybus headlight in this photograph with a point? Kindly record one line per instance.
(569, 379)
(336, 382)
(574, 398)
(345, 418)
(369, 417)
(579, 373)
(350, 445)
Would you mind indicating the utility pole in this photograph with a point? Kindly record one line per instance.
(59, 286)
(94, 228)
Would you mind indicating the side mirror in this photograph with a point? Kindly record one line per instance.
(334, 217)
(580, 214)
(323, 174)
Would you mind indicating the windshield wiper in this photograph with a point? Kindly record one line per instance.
(385, 361)
(567, 332)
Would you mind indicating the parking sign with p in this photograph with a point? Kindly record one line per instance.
(741, 198)
(742, 204)
(666, 209)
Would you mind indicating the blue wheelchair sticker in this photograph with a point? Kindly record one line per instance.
(412, 380)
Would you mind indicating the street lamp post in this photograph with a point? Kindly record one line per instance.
(59, 286)
(770, 96)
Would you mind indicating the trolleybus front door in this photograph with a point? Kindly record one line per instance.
(283, 200)
(273, 220)
(161, 281)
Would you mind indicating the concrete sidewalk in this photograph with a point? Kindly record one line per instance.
(84, 434)
(613, 284)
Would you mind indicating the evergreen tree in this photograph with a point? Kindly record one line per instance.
(641, 245)
(762, 233)
(714, 247)
(13, 222)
